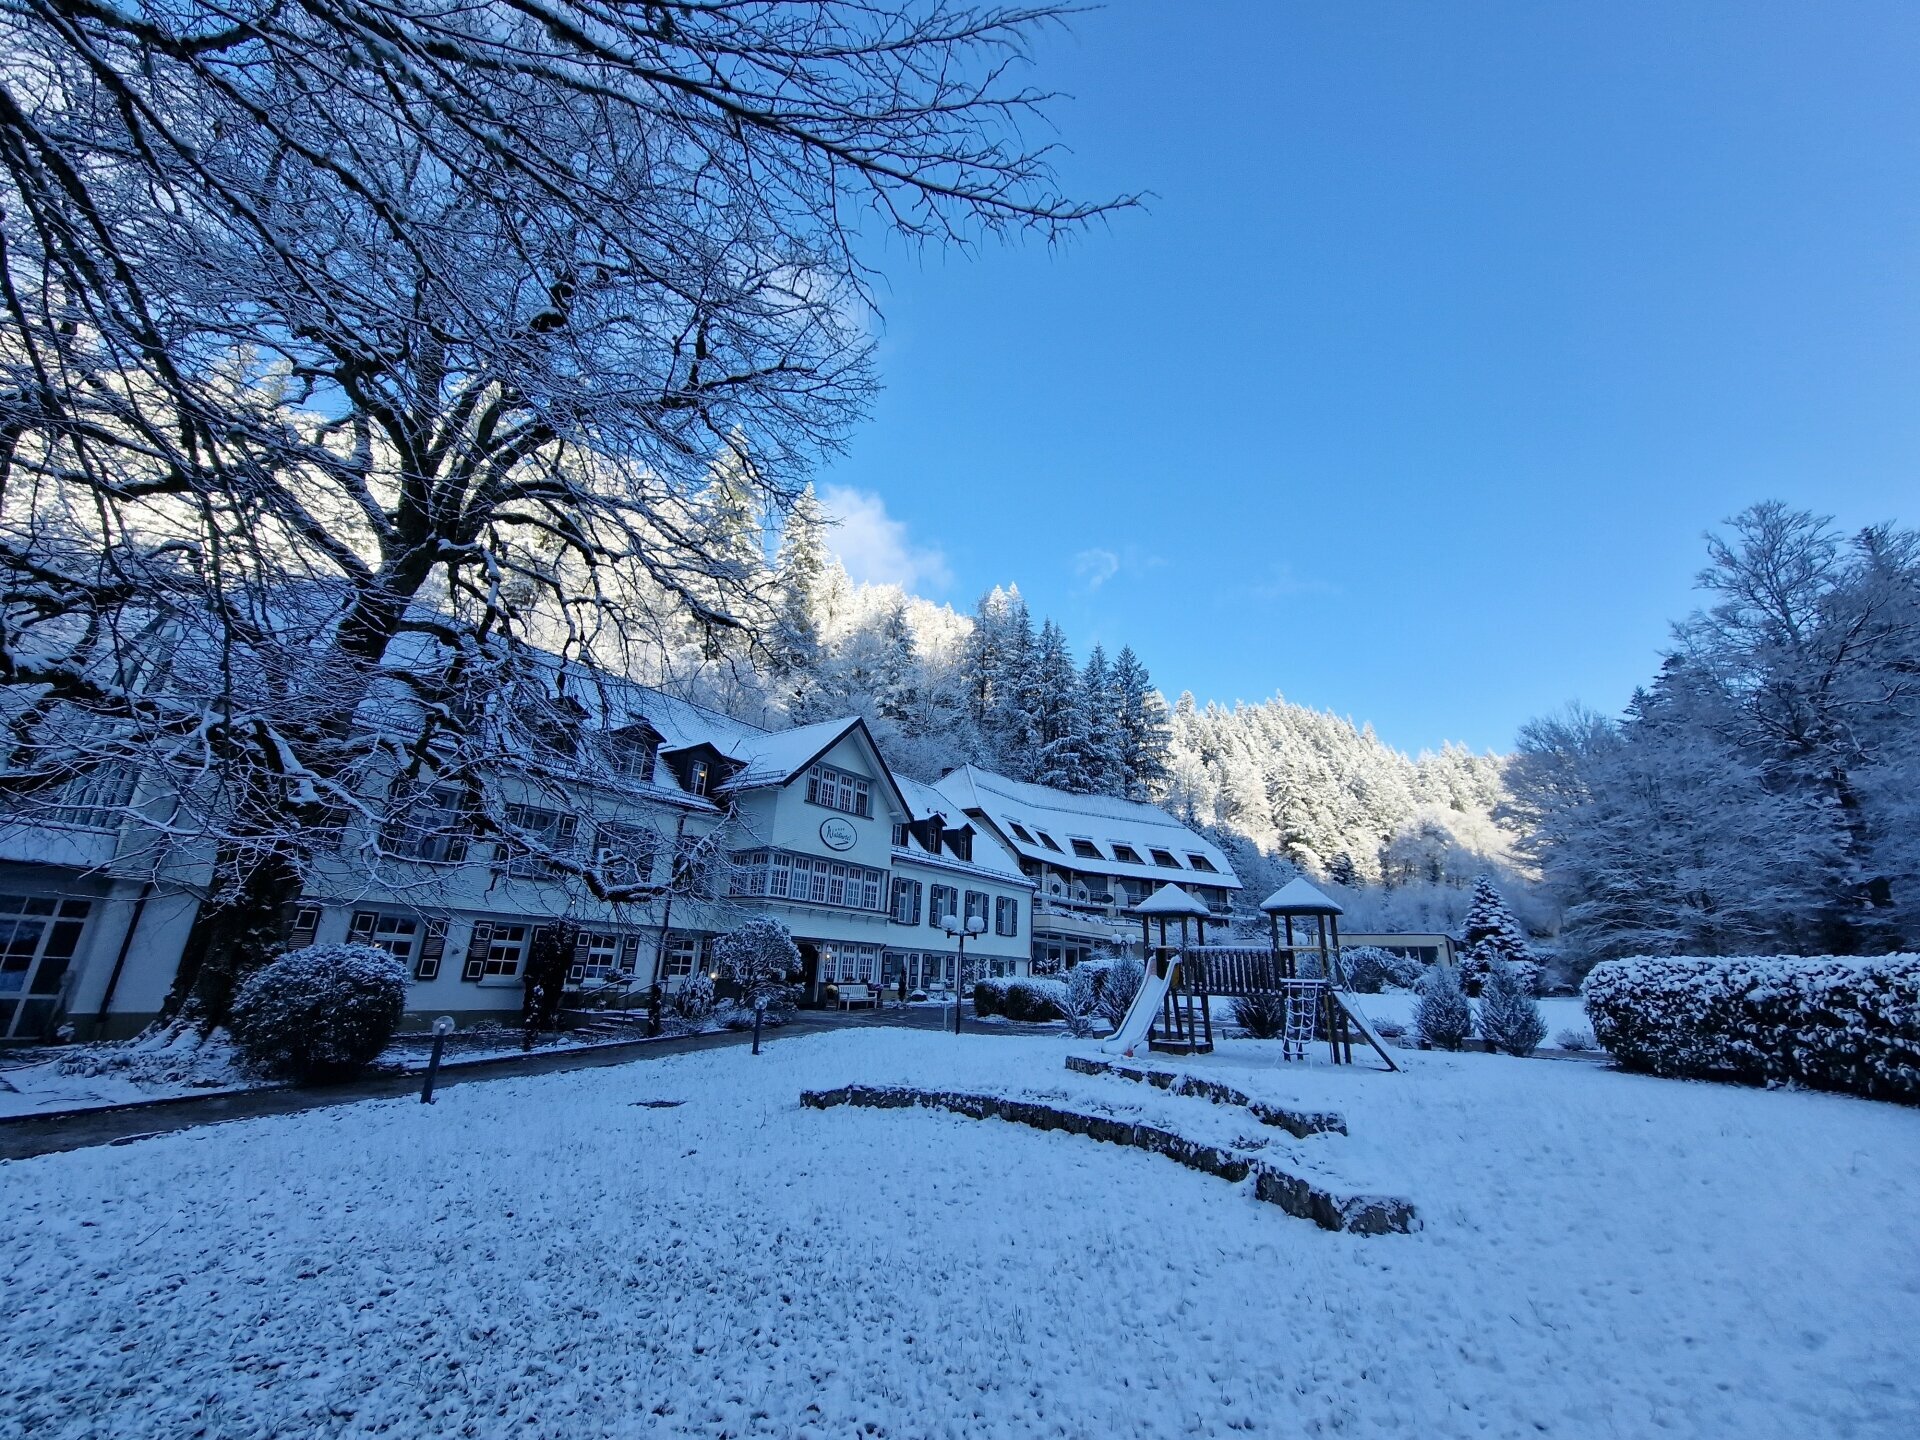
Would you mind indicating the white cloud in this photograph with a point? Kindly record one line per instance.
(1096, 567)
(875, 547)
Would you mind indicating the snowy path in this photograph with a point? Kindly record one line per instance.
(1604, 1256)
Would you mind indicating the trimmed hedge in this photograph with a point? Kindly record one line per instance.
(1020, 998)
(1826, 1022)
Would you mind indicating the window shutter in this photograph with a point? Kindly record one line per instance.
(361, 929)
(477, 950)
(567, 833)
(629, 954)
(917, 887)
(433, 945)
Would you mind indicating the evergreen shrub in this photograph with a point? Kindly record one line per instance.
(1371, 969)
(1827, 1022)
(1442, 1015)
(320, 1013)
(1034, 1000)
(990, 997)
(1510, 1020)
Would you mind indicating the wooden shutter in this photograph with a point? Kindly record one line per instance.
(433, 945)
(477, 945)
(360, 931)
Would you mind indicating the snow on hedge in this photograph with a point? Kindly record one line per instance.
(319, 1012)
(1828, 1022)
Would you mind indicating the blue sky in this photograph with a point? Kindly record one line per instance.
(1447, 330)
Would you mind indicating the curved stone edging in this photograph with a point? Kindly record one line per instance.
(1298, 1123)
(1298, 1196)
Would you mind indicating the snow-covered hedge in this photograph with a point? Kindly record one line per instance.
(1829, 1022)
(319, 1013)
(1021, 998)
(1371, 969)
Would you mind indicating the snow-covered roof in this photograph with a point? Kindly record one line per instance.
(1024, 813)
(1299, 897)
(1170, 900)
(990, 857)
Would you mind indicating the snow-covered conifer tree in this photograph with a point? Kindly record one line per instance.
(1491, 936)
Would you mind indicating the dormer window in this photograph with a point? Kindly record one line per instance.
(1200, 862)
(1048, 841)
(1126, 854)
(699, 777)
(1165, 857)
(959, 843)
(630, 753)
(1086, 849)
(1020, 832)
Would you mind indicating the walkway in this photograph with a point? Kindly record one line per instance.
(27, 1136)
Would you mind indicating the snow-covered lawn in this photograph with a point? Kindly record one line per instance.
(1603, 1255)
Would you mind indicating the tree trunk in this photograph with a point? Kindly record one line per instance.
(758, 1011)
(233, 933)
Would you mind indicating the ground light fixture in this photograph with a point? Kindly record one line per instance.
(960, 930)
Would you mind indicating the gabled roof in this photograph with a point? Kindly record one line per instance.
(776, 757)
(1298, 897)
(989, 855)
(1103, 819)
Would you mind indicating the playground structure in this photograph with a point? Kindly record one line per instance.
(1173, 1010)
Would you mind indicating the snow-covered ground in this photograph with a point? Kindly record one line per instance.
(1603, 1255)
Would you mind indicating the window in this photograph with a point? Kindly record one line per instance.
(1165, 857)
(94, 798)
(429, 824)
(1126, 854)
(1201, 862)
(683, 953)
(495, 950)
(405, 937)
(945, 901)
(625, 853)
(899, 837)
(779, 875)
(1086, 849)
(604, 955)
(838, 790)
(1048, 841)
(906, 902)
(699, 776)
(850, 964)
(1020, 832)
(38, 937)
(306, 920)
(629, 753)
(977, 907)
(1006, 915)
(695, 863)
(547, 831)
(960, 844)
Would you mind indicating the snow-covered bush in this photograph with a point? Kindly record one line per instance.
(694, 1002)
(319, 1013)
(1574, 1037)
(1389, 1029)
(1829, 1022)
(1442, 1015)
(990, 996)
(1033, 1000)
(1121, 981)
(756, 959)
(1510, 1020)
(1080, 997)
(1371, 969)
(1263, 1014)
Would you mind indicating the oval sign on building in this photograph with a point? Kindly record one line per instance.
(838, 834)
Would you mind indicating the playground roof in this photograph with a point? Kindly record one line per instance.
(1170, 900)
(1298, 897)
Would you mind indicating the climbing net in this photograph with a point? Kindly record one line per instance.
(1306, 999)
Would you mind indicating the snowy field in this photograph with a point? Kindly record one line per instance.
(1603, 1255)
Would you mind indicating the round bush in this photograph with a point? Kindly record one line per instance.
(1263, 1014)
(319, 1013)
(1371, 969)
(695, 1001)
(989, 996)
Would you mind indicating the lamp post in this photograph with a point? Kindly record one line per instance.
(960, 930)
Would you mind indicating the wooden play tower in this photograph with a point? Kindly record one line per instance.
(1185, 1026)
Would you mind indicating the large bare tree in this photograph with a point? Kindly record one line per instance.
(351, 348)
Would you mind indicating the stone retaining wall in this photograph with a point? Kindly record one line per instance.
(1298, 1123)
(1360, 1214)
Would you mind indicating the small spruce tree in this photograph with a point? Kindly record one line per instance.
(1510, 1020)
(1491, 936)
(1443, 1016)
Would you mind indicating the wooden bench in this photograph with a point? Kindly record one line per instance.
(858, 993)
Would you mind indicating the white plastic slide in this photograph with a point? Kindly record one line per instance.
(1140, 1015)
(1350, 1003)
